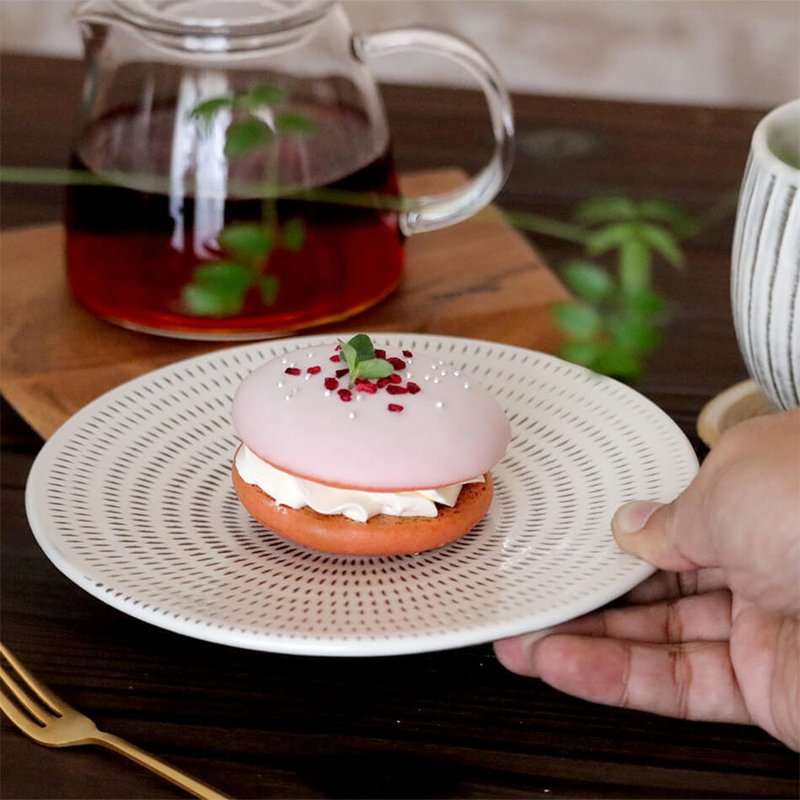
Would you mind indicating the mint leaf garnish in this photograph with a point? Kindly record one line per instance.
(206, 111)
(359, 354)
(294, 234)
(291, 122)
(348, 353)
(268, 286)
(248, 242)
(261, 95)
(246, 136)
(217, 290)
(363, 347)
(374, 368)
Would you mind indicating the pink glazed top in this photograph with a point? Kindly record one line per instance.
(427, 425)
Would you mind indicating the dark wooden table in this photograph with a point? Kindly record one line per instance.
(450, 724)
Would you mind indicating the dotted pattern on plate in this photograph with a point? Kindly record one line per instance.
(132, 499)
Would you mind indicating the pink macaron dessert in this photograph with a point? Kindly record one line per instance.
(349, 449)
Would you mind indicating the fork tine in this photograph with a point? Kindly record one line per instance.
(18, 717)
(55, 703)
(33, 707)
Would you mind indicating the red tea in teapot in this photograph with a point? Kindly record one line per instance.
(189, 105)
(189, 255)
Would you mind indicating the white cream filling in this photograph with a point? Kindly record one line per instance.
(289, 490)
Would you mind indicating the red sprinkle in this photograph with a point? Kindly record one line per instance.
(395, 378)
(292, 370)
(395, 389)
(335, 358)
(397, 363)
(345, 394)
(380, 353)
(365, 386)
(331, 384)
(383, 382)
(340, 372)
(394, 407)
(314, 370)
(413, 388)
(408, 354)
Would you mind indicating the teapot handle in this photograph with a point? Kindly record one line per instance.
(441, 210)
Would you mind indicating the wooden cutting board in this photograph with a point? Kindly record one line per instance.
(479, 279)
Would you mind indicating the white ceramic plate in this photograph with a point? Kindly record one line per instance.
(132, 500)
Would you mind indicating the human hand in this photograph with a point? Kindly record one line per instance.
(717, 637)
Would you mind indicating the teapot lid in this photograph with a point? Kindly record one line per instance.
(220, 17)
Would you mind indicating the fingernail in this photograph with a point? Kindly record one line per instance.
(632, 517)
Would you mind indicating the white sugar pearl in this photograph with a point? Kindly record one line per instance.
(327, 393)
(466, 384)
(427, 377)
(456, 373)
(437, 380)
(443, 373)
(439, 404)
(352, 415)
(281, 384)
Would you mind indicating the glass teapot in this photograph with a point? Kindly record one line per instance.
(239, 181)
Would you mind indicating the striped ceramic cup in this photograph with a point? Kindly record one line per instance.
(765, 274)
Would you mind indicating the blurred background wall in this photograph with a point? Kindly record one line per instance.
(716, 52)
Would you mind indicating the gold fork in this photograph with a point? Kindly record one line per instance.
(48, 720)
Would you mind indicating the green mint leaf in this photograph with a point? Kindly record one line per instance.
(634, 267)
(612, 236)
(669, 213)
(583, 353)
(576, 319)
(663, 242)
(261, 95)
(373, 368)
(363, 347)
(217, 290)
(606, 209)
(223, 275)
(679, 221)
(246, 136)
(359, 353)
(292, 122)
(206, 111)
(645, 303)
(618, 363)
(268, 286)
(588, 281)
(349, 354)
(634, 335)
(203, 301)
(294, 234)
(250, 242)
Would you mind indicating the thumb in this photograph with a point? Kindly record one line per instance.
(657, 533)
